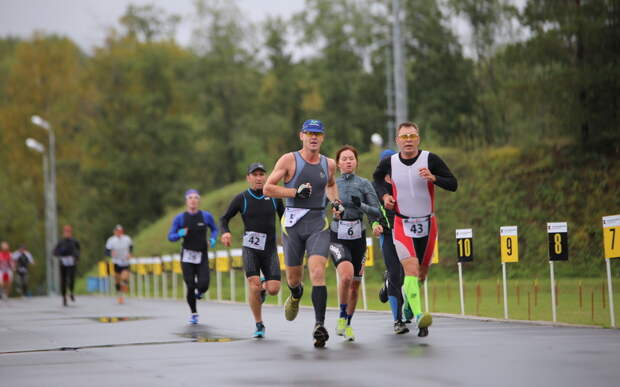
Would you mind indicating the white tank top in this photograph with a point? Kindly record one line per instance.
(415, 196)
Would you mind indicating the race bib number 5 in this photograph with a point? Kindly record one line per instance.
(349, 230)
(416, 227)
(292, 215)
(254, 240)
(191, 256)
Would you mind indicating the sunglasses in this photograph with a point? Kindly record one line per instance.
(317, 134)
(410, 136)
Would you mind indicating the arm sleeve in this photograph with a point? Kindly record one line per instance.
(234, 207)
(445, 178)
(177, 223)
(383, 169)
(371, 204)
(56, 251)
(280, 207)
(76, 250)
(108, 248)
(107, 252)
(211, 223)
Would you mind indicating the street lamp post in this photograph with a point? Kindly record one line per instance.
(40, 148)
(51, 215)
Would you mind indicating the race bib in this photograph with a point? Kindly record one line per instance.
(416, 227)
(67, 261)
(191, 256)
(292, 215)
(254, 240)
(349, 229)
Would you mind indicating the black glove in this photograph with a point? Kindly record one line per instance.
(357, 202)
(303, 191)
(337, 205)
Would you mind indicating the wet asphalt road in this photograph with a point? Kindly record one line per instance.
(43, 344)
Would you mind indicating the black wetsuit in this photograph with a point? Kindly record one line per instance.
(67, 247)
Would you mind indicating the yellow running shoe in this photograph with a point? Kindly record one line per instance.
(424, 320)
(348, 333)
(291, 308)
(341, 326)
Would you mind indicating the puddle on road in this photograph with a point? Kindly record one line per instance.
(202, 337)
(109, 319)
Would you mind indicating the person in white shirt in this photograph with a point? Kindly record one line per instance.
(119, 247)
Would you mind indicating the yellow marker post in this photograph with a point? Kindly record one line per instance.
(370, 253)
(110, 276)
(557, 234)
(611, 245)
(176, 269)
(509, 248)
(221, 265)
(465, 253)
(282, 268)
(434, 260)
(132, 279)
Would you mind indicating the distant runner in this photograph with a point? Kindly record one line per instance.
(260, 252)
(68, 252)
(308, 179)
(6, 269)
(413, 175)
(119, 247)
(191, 225)
(23, 259)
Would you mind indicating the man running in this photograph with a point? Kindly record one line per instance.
(68, 252)
(413, 175)
(260, 253)
(23, 259)
(348, 235)
(308, 179)
(119, 247)
(6, 269)
(191, 225)
(394, 275)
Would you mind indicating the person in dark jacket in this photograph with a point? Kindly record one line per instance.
(68, 252)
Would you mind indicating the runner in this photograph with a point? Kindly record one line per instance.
(119, 247)
(260, 253)
(308, 178)
(348, 235)
(191, 225)
(22, 259)
(68, 251)
(6, 269)
(394, 275)
(413, 175)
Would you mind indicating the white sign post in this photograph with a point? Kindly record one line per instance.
(464, 251)
(509, 253)
(558, 235)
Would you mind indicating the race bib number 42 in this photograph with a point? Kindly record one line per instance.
(349, 230)
(254, 240)
(416, 227)
(191, 256)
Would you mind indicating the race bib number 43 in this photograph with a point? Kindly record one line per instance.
(191, 256)
(349, 230)
(416, 227)
(254, 240)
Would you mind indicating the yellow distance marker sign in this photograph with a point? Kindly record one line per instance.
(176, 264)
(611, 236)
(370, 253)
(435, 258)
(509, 244)
(281, 257)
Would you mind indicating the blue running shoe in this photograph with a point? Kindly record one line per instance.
(199, 295)
(260, 331)
(193, 319)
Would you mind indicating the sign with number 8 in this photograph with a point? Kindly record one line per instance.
(558, 241)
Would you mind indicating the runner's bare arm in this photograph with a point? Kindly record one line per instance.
(280, 172)
(332, 189)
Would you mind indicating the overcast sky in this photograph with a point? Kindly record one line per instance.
(86, 21)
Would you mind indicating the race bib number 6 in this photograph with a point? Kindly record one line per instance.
(416, 227)
(349, 230)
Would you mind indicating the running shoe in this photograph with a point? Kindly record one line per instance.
(193, 319)
(423, 320)
(320, 335)
(291, 308)
(64, 301)
(383, 294)
(407, 313)
(72, 298)
(400, 327)
(341, 326)
(348, 333)
(260, 331)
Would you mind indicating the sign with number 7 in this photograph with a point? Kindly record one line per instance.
(611, 236)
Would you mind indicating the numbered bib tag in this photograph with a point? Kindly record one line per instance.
(254, 240)
(191, 256)
(292, 215)
(416, 227)
(349, 229)
(67, 261)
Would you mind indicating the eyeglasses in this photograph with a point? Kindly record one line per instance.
(410, 136)
(317, 134)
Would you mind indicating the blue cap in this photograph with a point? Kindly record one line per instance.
(191, 191)
(386, 153)
(312, 126)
